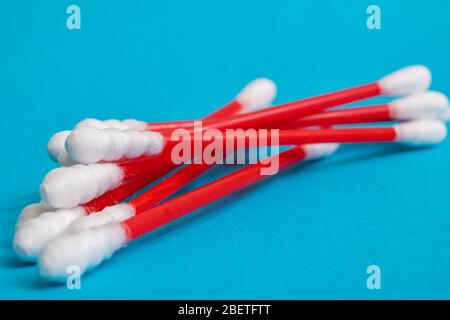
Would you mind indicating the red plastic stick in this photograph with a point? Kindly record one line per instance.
(234, 107)
(348, 135)
(296, 109)
(285, 137)
(376, 113)
(190, 201)
(284, 112)
(164, 189)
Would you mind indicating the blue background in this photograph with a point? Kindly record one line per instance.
(310, 232)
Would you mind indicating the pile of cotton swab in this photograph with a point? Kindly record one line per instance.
(82, 219)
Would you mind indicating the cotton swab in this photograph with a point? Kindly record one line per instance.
(416, 132)
(254, 96)
(31, 211)
(67, 187)
(85, 183)
(421, 132)
(88, 248)
(88, 145)
(425, 105)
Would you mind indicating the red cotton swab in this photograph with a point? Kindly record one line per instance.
(416, 132)
(88, 248)
(87, 145)
(37, 226)
(426, 105)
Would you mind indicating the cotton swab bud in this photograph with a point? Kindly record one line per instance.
(405, 81)
(257, 94)
(67, 187)
(89, 145)
(421, 132)
(117, 213)
(56, 145)
(85, 249)
(88, 248)
(425, 105)
(31, 211)
(31, 237)
(315, 151)
(127, 124)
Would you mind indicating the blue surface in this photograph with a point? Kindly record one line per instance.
(310, 232)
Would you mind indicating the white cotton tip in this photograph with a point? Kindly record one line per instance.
(68, 187)
(405, 81)
(257, 94)
(85, 249)
(128, 124)
(56, 148)
(424, 105)
(56, 144)
(31, 211)
(116, 213)
(31, 238)
(90, 145)
(319, 150)
(421, 132)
